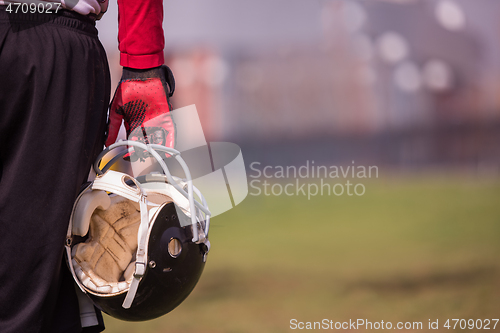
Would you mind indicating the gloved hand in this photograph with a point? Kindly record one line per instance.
(142, 102)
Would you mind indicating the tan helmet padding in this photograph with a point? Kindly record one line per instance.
(88, 203)
(105, 261)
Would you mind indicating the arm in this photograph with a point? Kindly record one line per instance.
(140, 33)
(142, 97)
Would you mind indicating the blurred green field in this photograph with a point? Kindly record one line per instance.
(410, 249)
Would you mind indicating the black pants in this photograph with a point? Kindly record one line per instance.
(54, 93)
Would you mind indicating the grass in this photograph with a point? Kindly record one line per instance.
(410, 249)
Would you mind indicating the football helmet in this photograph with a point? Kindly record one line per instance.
(137, 246)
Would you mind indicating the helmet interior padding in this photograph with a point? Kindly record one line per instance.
(105, 261)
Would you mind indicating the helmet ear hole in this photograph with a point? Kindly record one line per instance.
(174, 247)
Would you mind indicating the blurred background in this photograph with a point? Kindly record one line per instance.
(411, 86)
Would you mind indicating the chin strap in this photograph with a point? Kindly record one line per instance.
(140, 262)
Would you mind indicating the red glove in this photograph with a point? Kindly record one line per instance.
(142, 102)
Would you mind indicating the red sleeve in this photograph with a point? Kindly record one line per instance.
(140, 33)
